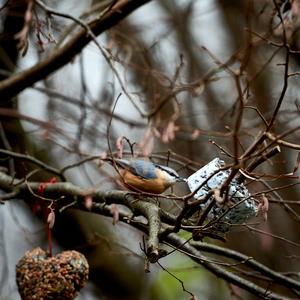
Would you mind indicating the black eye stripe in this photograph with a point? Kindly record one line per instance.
(167, 170)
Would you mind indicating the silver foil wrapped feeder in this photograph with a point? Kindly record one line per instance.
(238, 196)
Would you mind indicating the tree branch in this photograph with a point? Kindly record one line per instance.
(220, 272)
(248, 261)
(35, 161)
(58, 58)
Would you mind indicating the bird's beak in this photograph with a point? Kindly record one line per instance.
(181, 179)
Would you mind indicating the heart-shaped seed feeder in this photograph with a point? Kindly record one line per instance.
(59, 277)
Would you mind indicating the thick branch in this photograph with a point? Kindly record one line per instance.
(151, 212)
(58, 190)
(18, 82)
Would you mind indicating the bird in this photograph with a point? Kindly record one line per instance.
(144, 176)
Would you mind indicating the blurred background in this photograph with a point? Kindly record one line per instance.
(167, 84)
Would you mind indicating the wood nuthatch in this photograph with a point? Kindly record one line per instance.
(144, 176)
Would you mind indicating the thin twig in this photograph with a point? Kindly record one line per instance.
(35, 161)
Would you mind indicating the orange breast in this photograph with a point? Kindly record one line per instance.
(137, 184)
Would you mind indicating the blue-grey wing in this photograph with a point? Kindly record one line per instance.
(144, 169)
(141, 168)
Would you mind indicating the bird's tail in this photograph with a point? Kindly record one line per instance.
(122, 163)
